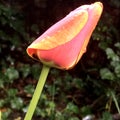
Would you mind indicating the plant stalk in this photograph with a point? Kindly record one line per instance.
(115, 101)
(37, 93)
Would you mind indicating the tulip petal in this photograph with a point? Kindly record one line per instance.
(94, 13)
(62, 32)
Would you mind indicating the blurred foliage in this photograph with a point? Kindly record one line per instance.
(91, 88)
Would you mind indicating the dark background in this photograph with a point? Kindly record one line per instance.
(68, 95)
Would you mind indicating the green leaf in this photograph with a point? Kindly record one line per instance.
(106, 116)
(105, 73)
(29, 89)
(85, 110)
(12, 92)
(2, 102)
(117, 71)
(16, 103)
(6, 114)
(117, 44)
(25, 70)
(12, 74)
(51, 104)
(78, 83)
(103, 45)
(40, 112)
(72, 108)
(111, 54)
(59, 116)
(2, 79)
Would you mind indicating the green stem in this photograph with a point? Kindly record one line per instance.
(37, 93)
(115, 101)
(0, 116)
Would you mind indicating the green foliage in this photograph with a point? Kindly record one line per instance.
(12, 101)
(106, 116)
(0, 115)
(106, 74)
(11, 74)
(12, 36)
(29, 89)
(71, 108)
(68, 95)
(85, 110)
(109, 43)
(25, 70)
(5, 115)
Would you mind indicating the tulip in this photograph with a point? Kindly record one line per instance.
(63, 44)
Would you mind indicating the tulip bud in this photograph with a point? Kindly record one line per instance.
(63, 44)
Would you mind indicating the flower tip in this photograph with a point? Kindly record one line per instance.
(97, 7)
(100, 4)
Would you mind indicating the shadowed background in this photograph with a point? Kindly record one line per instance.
(67, 95)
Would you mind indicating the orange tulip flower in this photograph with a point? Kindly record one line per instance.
(63, 44)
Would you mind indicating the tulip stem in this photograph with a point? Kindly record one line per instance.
(37, 93)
